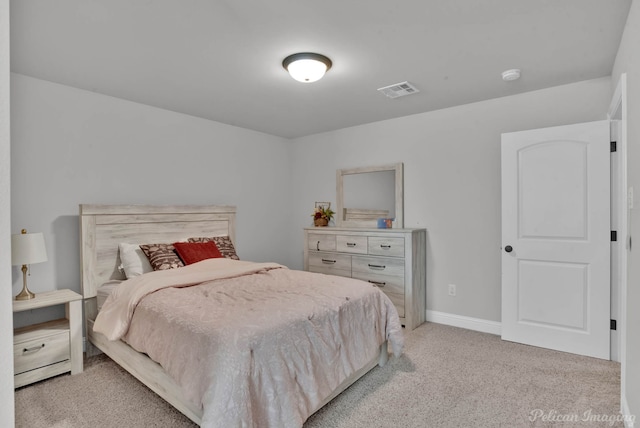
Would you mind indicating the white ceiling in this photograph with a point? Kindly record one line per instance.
(222, 59)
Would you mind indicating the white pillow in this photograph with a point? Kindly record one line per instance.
(134, 262)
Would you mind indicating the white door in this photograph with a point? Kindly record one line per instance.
(556, 238)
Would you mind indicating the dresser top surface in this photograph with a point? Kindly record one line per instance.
(330, 229)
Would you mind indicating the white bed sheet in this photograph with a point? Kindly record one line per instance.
(105, 290)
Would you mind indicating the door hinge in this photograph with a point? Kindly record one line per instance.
(614, 325)
(614, 146)
(614, 236)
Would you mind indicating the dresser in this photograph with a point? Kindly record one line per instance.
(392, 259)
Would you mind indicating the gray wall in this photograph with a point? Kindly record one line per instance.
(452, 181)
(71, 146)
(628, 61)
(6, 322)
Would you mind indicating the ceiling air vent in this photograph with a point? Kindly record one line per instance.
(399, 90)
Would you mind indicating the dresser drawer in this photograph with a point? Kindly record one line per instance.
(393, 287)
(380, 246)
(321, 242)
(330, 271)
(378, 265)
(351, 244)
(40, 351)
(330, 263)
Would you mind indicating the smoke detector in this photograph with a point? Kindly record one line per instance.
(399, 90)
(510, 75)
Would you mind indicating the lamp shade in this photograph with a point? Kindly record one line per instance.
(28, 248)
(307, 67)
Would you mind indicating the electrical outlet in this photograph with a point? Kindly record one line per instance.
(452, 289)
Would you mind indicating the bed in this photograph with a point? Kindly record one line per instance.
(270, 364)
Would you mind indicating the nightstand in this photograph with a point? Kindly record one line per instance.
(50, 348)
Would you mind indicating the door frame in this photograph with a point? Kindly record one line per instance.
(617, 114)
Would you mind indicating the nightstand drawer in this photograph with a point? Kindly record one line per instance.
(41, 345)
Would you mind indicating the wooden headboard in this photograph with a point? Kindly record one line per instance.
(103, 227)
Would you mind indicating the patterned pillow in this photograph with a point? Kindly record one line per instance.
(162, 256)
(223, 243)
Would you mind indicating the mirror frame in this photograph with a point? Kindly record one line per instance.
(398, 168)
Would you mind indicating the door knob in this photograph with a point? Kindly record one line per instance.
(508, 248)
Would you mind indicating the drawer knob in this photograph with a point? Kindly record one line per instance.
(376, 266)
(351, 244)
(385, 247)
(378, 284)
(33, 349)
(318, 246)
(328, 261)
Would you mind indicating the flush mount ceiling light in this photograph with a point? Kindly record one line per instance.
(509, 75)
(306, 67)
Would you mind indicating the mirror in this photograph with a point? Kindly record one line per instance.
(365, 194)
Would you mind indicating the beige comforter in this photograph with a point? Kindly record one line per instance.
(255, 344)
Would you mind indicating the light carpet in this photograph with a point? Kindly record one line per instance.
(447, 377)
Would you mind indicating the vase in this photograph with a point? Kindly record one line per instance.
(320, 222)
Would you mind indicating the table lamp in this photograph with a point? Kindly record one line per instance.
(26, 249)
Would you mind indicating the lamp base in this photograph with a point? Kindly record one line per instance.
(25, 294)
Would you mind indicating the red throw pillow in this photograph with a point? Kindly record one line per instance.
(192, 252)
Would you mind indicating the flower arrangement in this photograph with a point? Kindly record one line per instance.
(323, 214)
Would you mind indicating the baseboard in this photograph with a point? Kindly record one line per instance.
(461, 321)
(628, 418)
